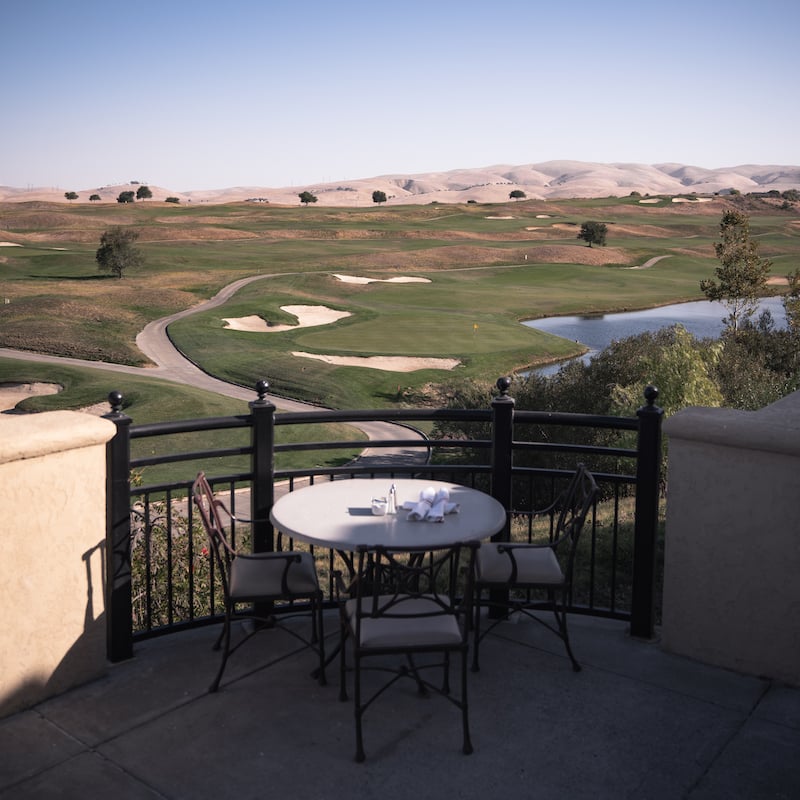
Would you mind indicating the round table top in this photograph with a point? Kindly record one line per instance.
(338, 514)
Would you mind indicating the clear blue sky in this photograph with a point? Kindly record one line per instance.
(191, 94)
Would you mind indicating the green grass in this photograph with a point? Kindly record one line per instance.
(484, 269)
(153, 400)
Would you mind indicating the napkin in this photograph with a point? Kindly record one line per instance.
(431, 506)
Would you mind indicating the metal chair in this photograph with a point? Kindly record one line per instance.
(517, 574)
(407, 603)
(250, 578)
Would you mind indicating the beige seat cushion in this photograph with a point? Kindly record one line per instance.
(393, 631)
(535, 565)
(259, 575)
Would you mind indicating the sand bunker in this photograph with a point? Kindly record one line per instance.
(401, 279)
(691, 199)
(499, 217)
(9, 244)
(307, 317)
(387, 363)
(13, 393)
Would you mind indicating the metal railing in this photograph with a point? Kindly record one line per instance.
(157, 569)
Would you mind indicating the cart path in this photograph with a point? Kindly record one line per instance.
(172, 365)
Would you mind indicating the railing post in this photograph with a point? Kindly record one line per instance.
(119, 608)
(645, 545)
(262, 491)
(502, 438)
(502, 462)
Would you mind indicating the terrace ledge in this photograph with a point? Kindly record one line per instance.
(24, 436)
(731, 558)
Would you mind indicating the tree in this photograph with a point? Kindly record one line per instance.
(516, 194)
(742, 274)
(94, 197)
(116, 252)
(791, 302)
(307, 197)
(70, 195)
(173, 200)
(125, 197)
(143, 193)
(378, 197)
(594, 233)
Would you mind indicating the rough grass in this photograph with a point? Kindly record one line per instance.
(491, 265)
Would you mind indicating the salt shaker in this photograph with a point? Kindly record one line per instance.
(392, 507)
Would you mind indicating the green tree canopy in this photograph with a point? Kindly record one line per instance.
(741, 278)
(173, 200)
(594, 233)
(143, 193)
(94, 197)
(307, 197)
(378, 197)
(517, 194)
(126, 197)
(116, 252)
(70, 195)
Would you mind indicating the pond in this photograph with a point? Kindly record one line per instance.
(703, 319)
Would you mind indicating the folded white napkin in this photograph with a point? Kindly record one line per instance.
(431, 506)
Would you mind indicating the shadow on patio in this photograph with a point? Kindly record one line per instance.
(636, 722)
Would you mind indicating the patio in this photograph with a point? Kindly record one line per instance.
(636, 722)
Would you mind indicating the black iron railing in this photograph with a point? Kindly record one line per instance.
(160, 578)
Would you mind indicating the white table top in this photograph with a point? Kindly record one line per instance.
(338, 514)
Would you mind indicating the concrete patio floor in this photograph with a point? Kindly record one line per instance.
(635, 723)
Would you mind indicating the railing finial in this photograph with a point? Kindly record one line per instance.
(651, 395)
(262, 387)
(503, 384)
(115, 399)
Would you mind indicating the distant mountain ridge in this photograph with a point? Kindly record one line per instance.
(545, 181)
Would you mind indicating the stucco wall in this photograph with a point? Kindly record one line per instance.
(732, 547)
(53, 496)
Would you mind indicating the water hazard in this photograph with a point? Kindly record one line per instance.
(703, 319)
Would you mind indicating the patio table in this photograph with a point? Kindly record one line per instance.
(338, 515)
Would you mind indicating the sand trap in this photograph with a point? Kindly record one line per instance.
(13, 393)
(651, 200)
(499, 217)
(307, 317)
(9, 244)
(543, 216)
(387, 363)
(401, 279)
(691, 199)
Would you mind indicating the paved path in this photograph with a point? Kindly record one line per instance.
(172, 365)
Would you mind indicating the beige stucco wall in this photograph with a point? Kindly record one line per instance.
(732, 547)
(53, 496)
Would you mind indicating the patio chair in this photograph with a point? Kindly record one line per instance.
(528, 577)
(407, 603)
(250, 578)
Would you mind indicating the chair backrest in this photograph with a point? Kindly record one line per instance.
(391, 582)
(209, 508)
(573, 507)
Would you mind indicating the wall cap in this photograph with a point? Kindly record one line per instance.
(25, 436)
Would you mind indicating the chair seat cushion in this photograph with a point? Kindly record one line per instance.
(535, 565)
(386, 630)
(259, 575)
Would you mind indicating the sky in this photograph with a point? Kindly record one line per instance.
(193, 94)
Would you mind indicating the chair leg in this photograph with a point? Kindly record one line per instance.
(318, 636)
(467, 741)
(360, 755)
(342, 659)
(225, 638)
(476, 633)
(561, 620)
